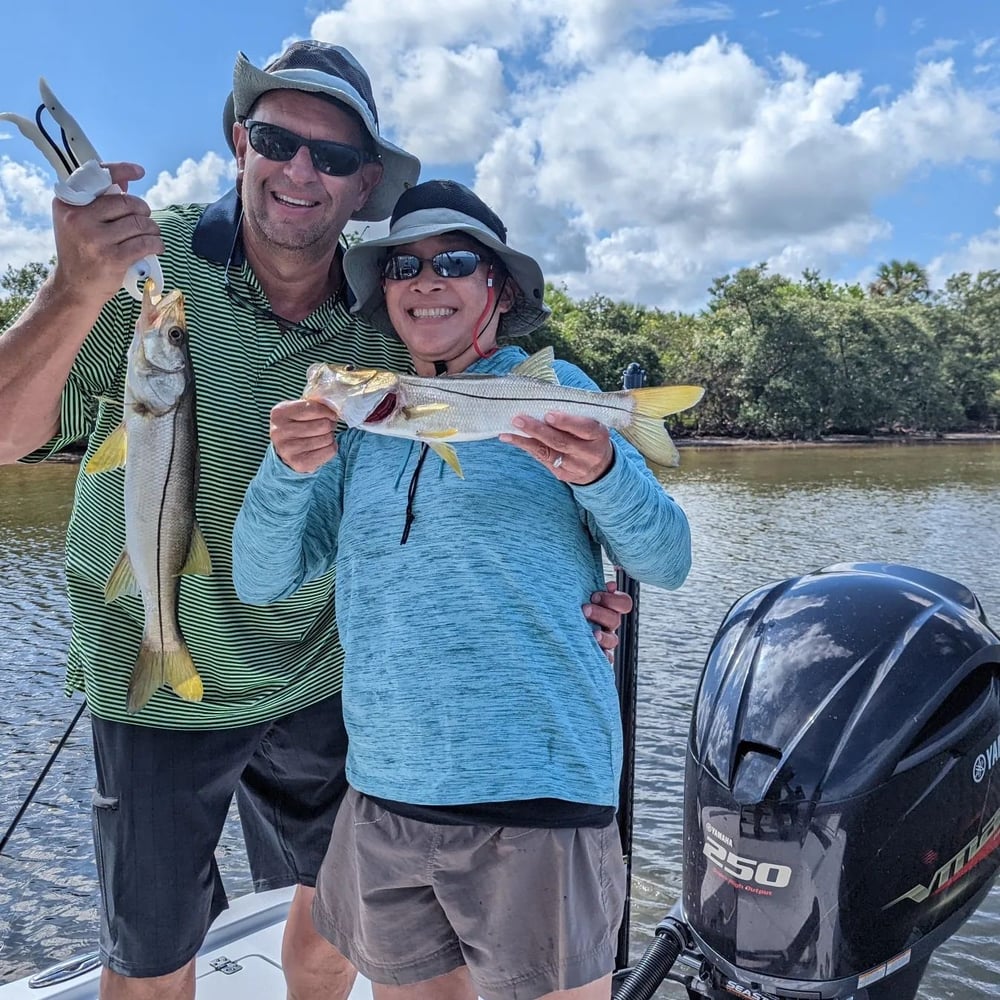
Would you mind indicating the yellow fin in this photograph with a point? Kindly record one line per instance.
(111, 454)
(651, 438)
(662, 400)
(448, 454)
(198, 560)
(121, 581)
(539, 366)
(422, 410)
(156, 667)
(445, 432)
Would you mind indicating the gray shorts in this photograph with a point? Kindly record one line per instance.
(529, 911)
(160, 804)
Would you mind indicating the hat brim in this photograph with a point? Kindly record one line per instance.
(362, 267)
(400, 169)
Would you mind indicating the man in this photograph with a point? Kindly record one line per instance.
(261, 272)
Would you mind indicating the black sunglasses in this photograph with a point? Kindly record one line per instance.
(447, 264)
(335, 159)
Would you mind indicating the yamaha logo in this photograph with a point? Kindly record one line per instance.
(986, 761)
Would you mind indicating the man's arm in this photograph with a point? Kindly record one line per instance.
(95, 245)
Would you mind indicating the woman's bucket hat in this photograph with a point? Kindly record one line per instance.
(432, 209)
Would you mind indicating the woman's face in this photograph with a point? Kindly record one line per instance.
(436, 317)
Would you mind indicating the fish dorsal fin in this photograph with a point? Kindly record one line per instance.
(198, 562)
(539, 366)
(121, 581)
(422, 410)
(447, 454)
(111, 454)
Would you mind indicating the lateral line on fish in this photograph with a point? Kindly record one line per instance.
(598, 402)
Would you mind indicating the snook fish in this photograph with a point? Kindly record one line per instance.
(162, 539)
(469, 407)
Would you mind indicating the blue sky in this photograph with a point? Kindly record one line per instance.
(638, 148)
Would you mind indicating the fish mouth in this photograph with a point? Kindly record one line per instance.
(385, 408)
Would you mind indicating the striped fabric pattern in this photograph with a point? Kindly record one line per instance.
(257, 663)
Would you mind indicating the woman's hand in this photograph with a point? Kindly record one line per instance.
(575, 450)
(304, 434)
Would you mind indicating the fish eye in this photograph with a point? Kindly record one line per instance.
(175, 335)
(350, 368)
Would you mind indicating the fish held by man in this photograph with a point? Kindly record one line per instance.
(470, 407)
(162, 539)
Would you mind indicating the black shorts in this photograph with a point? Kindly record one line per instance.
(160, 804)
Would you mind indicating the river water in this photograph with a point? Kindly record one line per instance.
(757, 515)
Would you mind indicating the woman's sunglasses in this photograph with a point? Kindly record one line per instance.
(448, 264)
(335, 159)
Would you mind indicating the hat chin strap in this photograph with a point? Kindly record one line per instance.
(486, 315)
(441, 367)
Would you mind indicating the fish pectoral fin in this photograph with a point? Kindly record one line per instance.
(649, 435)
(198, 561)
(422, 410)
(155, 667)
(121, 581)
(111, 454)
(448, 455)
(662, 400)
(444, 432)
(539, 366)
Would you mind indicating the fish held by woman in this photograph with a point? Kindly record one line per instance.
(162, 539)
(470, 407)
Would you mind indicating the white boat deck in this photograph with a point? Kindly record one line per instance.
(240, 960)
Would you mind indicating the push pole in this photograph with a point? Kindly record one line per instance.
(626, 670)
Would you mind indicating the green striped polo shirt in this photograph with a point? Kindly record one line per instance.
(257, 663)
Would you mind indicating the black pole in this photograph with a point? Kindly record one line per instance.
(41, 777)
(626, 671)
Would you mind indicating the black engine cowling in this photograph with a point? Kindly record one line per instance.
(842, 799)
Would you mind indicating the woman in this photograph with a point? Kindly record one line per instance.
(479, 834)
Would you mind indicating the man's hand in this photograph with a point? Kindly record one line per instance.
(303, 433)
(97, 243)
(606, 609)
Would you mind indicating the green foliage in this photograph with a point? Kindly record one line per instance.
(780, 358)
(20, 286)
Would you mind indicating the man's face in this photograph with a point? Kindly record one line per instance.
(292, 206)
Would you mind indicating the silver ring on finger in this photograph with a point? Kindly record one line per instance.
(557, 461)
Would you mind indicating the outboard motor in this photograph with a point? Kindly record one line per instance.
(842, 789)
(842, 794)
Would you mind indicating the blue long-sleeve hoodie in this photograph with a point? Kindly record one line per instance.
(471, 674)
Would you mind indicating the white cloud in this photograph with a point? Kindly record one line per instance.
(980, 253)
(981, 48)
(27, 186)
(25, 215)
(195, 182)
(881, 16)
(641, 176)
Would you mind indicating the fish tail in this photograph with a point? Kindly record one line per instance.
(646, 430)
(662, 400)
(155, 667)
(651, 438)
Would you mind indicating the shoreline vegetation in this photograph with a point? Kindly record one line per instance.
(785, 363)
(74, 455)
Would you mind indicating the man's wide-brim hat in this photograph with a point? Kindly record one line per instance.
(433, 209)
(319, 68)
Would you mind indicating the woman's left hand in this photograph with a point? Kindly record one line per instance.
(576, 450)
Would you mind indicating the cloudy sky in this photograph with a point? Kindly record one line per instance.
(638, 148)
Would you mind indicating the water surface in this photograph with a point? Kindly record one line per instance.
(757, 515)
